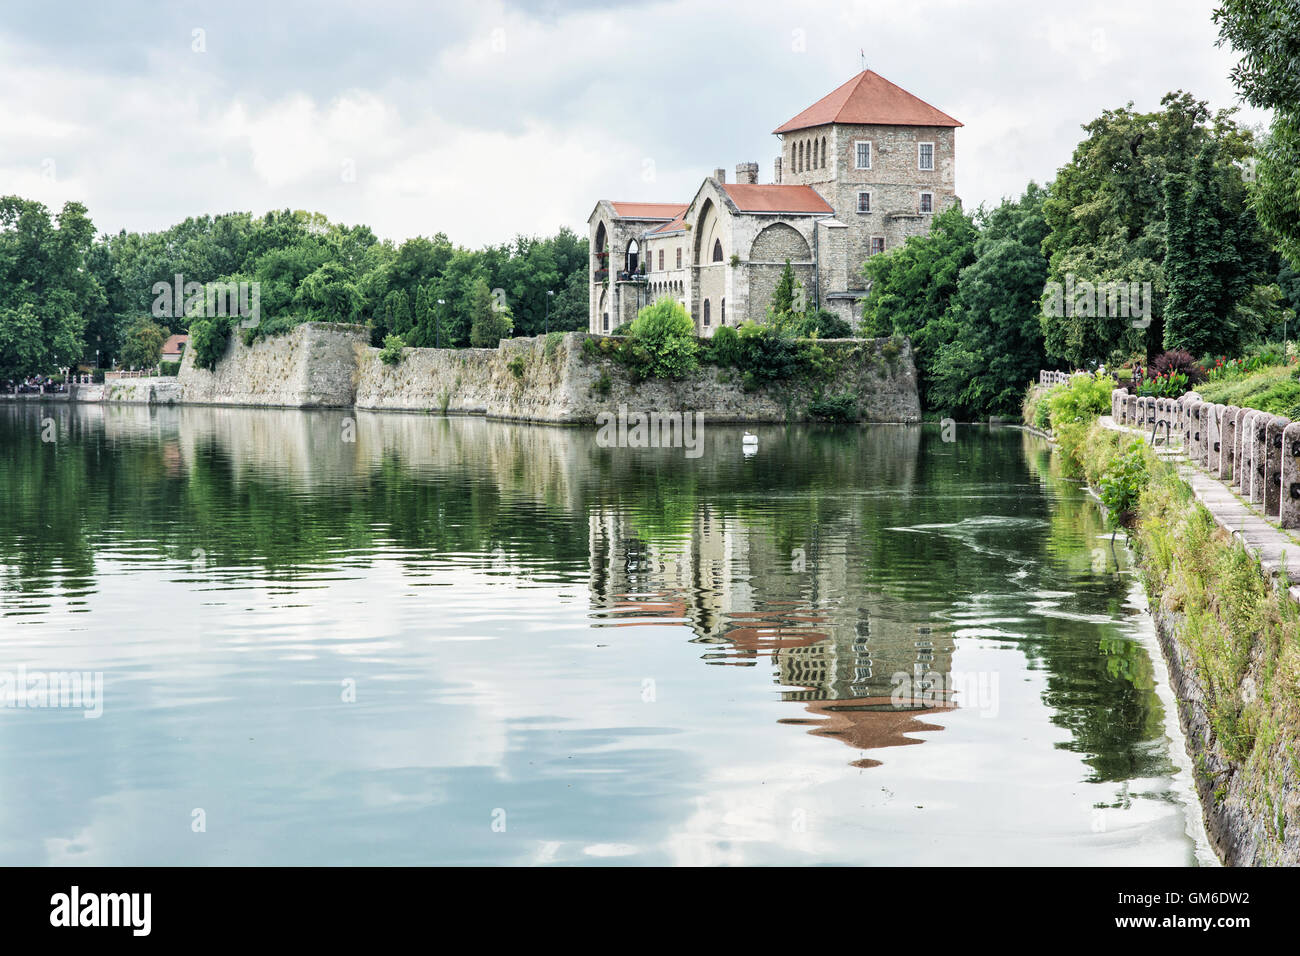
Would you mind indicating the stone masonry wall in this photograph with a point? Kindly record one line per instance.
(331, 365)
(310, 367)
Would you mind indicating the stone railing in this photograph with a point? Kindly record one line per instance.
(1256, 453)
(1054, 378)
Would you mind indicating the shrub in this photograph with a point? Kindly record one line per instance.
(766, 354)
(208, 338)
(169, 369)
(603, 384)
(1080, 401)
(1121, 485)
(820, 324)
(835, 408)
(391, 353)
(1177, 360)
(724, 347)
(661, 342)
(517, 365)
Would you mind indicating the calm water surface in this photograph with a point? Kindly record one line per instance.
(404, 639)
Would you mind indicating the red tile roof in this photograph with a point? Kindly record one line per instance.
(173, 344)
(649, 210)
(772, 198)
(869, 99)
(673, 226)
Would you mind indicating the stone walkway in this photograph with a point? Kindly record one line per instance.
(1276, 548)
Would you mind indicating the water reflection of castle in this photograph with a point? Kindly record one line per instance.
(836, 643)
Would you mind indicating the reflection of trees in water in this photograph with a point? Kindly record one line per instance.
(792, 559)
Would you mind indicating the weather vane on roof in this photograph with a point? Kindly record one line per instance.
(863, 53)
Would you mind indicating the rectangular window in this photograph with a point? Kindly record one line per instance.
(679, 257)
(863, 154)
(877, 245)
(661, 260)
(864, 202)
(927, 202)
(925, 156)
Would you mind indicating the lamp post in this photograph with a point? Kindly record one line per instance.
(549, 293)
(437, 325)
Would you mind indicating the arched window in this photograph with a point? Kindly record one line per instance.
(633, 256)
(801, 152)
(823, 152)
(717, 250)
(706, 311)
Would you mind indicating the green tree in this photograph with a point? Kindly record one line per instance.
(1106, 216)
(46, 289)
(144, 342)
(1212, 258)
(994, 340)
(490, 319)
(913, 285)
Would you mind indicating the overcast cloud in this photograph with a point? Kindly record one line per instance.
(485, 120)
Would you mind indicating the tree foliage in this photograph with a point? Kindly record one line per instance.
(993, 343)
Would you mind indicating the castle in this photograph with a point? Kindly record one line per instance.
(860, 170)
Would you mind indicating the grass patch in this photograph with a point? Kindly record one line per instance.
(1271, 390)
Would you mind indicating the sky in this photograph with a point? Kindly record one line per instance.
(485, 120)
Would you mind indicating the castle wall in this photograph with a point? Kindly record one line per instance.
(531, 379)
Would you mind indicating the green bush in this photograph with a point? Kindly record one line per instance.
(661, 342)
(169, 369)
(724, 347)
(391, 353)
(1080, 401)
(208, 338)
(1121, 485)
(603, 384)
(821, 324)
(766, 354)
(835, 408)
(517, 365)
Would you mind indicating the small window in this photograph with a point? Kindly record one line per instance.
(823, 152)
(877, 245)
(679, 257)
(661, 260)
(717, 250)
(927, 202)
(925, 156)
(706, 311)
(863, 150)
(722, 312)
(864, 202)
(605, 324)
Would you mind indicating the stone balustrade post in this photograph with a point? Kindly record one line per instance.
(1240, 457)
(1227, 460)
(1130, 409)
(1259, 436)
(1289, 492)
(1273, 465)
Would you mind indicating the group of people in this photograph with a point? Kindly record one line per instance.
(32, 385)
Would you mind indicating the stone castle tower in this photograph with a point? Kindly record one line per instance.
(860, 170)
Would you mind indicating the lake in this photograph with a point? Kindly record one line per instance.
(337, 637)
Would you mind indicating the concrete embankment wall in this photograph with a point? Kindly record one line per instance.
(541, 380)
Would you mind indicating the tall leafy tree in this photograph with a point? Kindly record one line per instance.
(994, 343)
(1106, 213)
(46, 289)
(912, 288)
(1212, 259)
